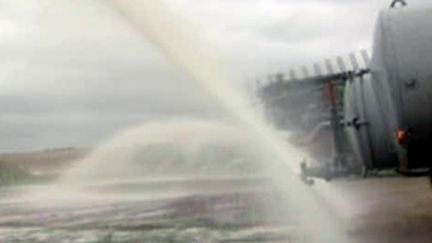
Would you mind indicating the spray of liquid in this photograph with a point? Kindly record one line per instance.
(175, 148)
(186, 46)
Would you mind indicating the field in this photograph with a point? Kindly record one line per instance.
(243, 209)
(38, 166)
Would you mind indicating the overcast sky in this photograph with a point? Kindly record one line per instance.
(72, 71)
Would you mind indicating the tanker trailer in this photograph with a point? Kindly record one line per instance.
(384, 113)
(388, 112)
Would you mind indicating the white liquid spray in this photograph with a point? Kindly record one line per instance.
(185, 46)
(170, 148)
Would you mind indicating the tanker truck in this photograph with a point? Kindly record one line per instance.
(378, 116)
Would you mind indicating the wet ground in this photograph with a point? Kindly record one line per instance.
(174, 210)
(388, 209)
(211, 210)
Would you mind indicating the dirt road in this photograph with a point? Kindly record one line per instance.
(387, 209)
(232, 210)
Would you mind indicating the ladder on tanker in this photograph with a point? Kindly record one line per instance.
(333, 73)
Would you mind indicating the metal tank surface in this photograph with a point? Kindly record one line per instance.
(366, 127)
(396, 98)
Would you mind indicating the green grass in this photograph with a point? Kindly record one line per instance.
(11, 174)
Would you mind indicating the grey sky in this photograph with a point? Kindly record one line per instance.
(72, 71)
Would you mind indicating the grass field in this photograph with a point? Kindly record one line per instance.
(39, 166)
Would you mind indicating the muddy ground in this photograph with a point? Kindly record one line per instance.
(389, 209)
(213, 210)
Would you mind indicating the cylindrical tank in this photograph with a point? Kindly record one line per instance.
(397, 95)
(366, 127)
